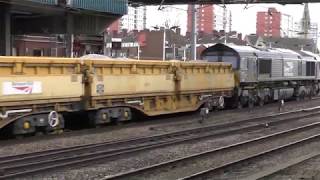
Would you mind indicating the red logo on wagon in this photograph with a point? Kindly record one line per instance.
(26, 89)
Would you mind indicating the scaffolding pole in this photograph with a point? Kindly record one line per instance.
(194, 33)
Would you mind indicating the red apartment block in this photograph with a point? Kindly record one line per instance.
(268, 23)
(205, 19)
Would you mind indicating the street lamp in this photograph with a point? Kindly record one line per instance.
(173, 40)
(164, 39)
(193, 37)
(138, 45)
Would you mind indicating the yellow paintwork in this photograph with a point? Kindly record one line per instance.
(52, 87)
(153, 87)
(59, 77)
(205, 76)
(161, 87)
(131, 77)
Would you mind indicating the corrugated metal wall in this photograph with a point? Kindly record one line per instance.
(50, 2)
(106, 6)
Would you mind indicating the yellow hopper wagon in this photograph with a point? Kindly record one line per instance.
(36, 92)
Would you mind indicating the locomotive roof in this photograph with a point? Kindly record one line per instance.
(285, 53)
(252, 51)
(310, 55)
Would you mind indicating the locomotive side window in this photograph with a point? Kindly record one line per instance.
(264, 66)
(300, 69)
(310, 69)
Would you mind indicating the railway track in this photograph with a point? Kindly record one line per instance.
(185, 168)
(268, 174)
(32, 163)
(229, 167)
(165, 121)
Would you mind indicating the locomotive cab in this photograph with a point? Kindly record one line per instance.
(242, 58)
(222, 53)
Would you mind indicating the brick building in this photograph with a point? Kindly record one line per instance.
(204, 19)
(136, 19)
(150, 44)
(269, 23)
(31, 45)
(210, 18)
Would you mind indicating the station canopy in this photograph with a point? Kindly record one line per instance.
(171, 2)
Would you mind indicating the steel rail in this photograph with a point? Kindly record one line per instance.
(140, 139)
(222, 150)
(292, 163)
(205, 173)
(66, 156)
(26, 156)
(23, 157)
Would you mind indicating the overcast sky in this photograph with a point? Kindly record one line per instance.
(244, 20)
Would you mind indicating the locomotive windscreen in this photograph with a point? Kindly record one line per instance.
(222, 56)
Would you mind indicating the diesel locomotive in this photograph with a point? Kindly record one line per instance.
(264, 75)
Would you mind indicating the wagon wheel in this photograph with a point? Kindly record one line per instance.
(310, 94)
(267, 99)
(261, 101)
(303, 95)
(298, 97)
(239, 105)
(313, 91)
(251, 103)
